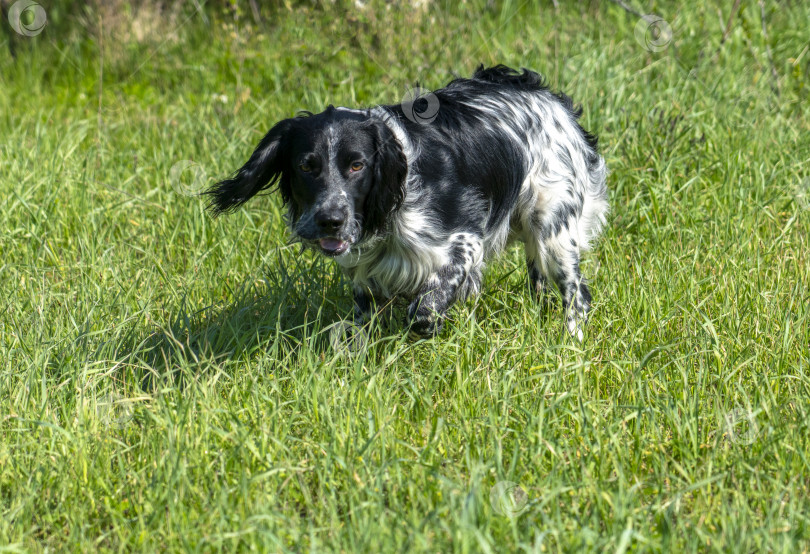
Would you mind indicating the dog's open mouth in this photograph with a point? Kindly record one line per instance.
(333, 247)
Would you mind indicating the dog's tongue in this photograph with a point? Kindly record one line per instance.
(333, 245)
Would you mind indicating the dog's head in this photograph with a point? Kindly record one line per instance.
(341, 173)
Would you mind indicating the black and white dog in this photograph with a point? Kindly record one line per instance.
(413, 206)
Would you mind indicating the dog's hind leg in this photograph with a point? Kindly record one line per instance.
(576, 297)
(454, 281)
(538, 284)
(554, 256)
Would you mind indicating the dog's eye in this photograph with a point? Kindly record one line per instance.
(357, 166)
(305, 167)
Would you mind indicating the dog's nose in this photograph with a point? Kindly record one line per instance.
(330, 220)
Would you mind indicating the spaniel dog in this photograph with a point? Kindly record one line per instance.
(411, 204)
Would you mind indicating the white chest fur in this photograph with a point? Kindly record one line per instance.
(402, 261)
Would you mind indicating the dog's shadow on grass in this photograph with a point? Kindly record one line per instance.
(283, 310)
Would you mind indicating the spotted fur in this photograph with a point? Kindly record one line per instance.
(504, 159)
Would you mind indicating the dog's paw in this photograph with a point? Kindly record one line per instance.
(575, 321)
(575, 330)
(424, 323)
(426, 328)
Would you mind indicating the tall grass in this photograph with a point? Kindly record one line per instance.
(168, 380)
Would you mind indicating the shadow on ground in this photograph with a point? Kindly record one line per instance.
(286, 308)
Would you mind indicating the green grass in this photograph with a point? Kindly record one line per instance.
(167, 379)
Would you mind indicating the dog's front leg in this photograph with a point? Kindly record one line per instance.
(454, 281)
(363, 305)
(427, 311)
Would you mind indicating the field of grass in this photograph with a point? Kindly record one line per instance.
(167, 380)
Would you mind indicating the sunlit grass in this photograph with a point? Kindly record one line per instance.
(168, 381)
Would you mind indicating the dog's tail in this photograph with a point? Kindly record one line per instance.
(525, 79)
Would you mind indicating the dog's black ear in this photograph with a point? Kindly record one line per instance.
(265, 167)
(390, 172)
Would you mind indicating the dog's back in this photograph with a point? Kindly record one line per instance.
(511, 141)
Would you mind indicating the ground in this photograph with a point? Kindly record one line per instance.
(168, 381)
